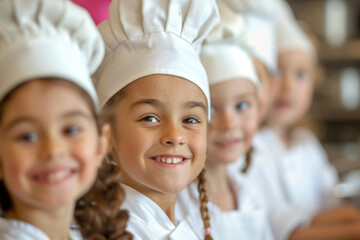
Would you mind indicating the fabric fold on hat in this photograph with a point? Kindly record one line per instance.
(145, 37)
(225, 53)
(289, 35)
(47, 39)
(261, 36)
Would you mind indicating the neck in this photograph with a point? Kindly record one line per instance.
(284, 134)
(218, 186)
(166, 201)
(54, 223)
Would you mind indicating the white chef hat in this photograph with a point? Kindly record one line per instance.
(290, 36)
(47, 38)
(224, 54)
(145, 37)
(261, 36)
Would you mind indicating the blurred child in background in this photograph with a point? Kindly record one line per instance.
(51, 140)
(297, 160)
(234, 205)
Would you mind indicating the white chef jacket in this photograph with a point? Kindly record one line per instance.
(262, 176)
(149, 222)
(303, 174)
(15, 230)
(307, 176)
(247, 222)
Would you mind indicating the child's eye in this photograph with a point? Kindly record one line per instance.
(300, 74)
(72, 130)
(242, 105)
(28, 137)
(191, 120)
(149, 119)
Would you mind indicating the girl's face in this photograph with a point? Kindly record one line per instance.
(296, 70)
(233, 121)
(159, 133)
(49, 145)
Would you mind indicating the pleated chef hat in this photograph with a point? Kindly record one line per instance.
(224, 54)
(289, 34)
(145, 37)
(261, 36)
(47, 38)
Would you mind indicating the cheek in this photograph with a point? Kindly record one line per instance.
(85, 151)
(131, 143)
(250, 127)
(305, 97)
(197, 142)
(14, 166)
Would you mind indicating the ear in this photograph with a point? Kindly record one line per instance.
(103, 143)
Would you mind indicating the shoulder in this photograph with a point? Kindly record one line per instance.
(14, 230)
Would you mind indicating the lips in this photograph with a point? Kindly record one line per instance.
(53, 176)
(283, 104)
(229, 143)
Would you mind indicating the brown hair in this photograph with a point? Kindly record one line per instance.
(97, 213)
(248, 158)
(203, 204)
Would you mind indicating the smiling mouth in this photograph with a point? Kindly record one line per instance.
(228, 143)
(54, 176)
(169, 160)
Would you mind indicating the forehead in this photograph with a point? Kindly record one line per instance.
(295, 58)
(232, 88)
(43, 97)
(162, 87)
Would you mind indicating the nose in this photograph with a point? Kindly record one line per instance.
(225, 121)
(52, 147)
(286, 83)
(173, 136)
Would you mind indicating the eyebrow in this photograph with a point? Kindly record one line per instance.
(247, 94)
(193, 104)
(20, 120)
(153, 102)
(242, 95)
(157, 103)
(76, 113)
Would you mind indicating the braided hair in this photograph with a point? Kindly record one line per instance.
(203, 205)
(248, 158)
(98, 213)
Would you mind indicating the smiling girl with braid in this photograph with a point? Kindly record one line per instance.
(155, 95)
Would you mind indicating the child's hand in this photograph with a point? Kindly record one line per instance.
(344, 213)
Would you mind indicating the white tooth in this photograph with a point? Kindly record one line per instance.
(168, 160)
(163, 160)
(158, 159)
(57, 176)
(173, 161)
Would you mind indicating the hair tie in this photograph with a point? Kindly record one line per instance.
(207, 231)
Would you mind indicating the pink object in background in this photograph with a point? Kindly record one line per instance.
(98, 9)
